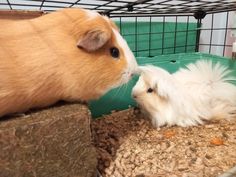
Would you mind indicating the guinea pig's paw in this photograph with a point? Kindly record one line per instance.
(156, 123)
(137, 110)
(187, 122)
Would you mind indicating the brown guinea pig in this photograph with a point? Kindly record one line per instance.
(72, 54)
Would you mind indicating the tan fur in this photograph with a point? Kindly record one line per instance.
(40, 62)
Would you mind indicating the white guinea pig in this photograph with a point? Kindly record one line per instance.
(72, 54)
(199, 92)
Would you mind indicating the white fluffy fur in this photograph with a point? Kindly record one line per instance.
(201, 91)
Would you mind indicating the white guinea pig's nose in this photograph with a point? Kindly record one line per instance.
(134, 95)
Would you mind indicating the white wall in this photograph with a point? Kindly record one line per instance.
(218, 36)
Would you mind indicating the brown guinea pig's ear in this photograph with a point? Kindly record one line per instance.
(93, 39)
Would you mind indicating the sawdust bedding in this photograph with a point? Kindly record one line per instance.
(128, 146)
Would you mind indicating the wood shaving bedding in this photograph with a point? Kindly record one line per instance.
(129, 146)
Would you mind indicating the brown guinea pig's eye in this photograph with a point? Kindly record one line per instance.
(149, 90)
(115, 53)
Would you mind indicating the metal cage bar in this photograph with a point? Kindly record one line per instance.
(148, 8)
(130, 8)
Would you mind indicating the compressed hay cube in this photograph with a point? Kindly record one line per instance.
(55, 142)
(19, 15)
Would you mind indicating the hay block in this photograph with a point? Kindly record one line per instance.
(49, 143)
(19, 14)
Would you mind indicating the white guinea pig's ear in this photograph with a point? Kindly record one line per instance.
(166, 88)
(93, 40)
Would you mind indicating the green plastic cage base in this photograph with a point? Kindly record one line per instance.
(120, 98)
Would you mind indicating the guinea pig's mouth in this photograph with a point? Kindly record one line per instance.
(140, 102)
(126, 76)
(137, 100)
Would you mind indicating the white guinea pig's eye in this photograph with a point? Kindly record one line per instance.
(149, 90)
(115, 53)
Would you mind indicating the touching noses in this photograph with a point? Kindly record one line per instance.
(131, 75)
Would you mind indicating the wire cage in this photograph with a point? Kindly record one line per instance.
(156, 27)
